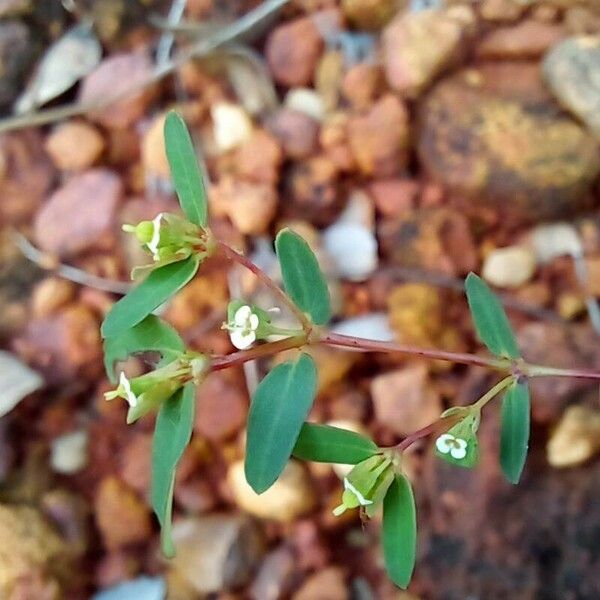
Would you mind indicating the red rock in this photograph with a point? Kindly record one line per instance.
(259, 158)
(292, 52)
(528, 39)
(404, 400)
(394, 196)
(25, 176)
(296, 131)
(79, 214)
(361, 85)
(74, 146)
(121, 517)
(114, 76)
(195, 495)
(136, 461)
(65, 346)
(222, 407)
(379, 139)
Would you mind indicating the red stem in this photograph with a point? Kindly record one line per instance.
(239, 358)
(346, 341)
(267, 281)
(442, 424)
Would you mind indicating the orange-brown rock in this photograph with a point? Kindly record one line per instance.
(528, 39)
(121, 517)
(493, 135)
(259, 158)
(361, 84)
(250, 206)
(75, 146)
(379, 138)
(25, 175)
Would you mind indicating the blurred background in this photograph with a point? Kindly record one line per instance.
(410, 142)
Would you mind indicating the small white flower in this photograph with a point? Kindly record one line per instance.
(361, 499)
(131, 397)
(448, 444)
(243, 329)
(153, 243)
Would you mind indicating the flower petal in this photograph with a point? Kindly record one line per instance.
(460, 444)
(444, 443)
(361, 499)
(242, 314)
(458, 453)
(153, 243)
(242, 340)
(130, 396)
(254, 321)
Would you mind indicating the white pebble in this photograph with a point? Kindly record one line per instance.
(555, 240)
(306, 101)
(509, 267)
(232, 125)
(353, 249)
(68, 453)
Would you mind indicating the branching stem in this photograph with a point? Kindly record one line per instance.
(236, 256)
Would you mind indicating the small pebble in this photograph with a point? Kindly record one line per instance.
(509, 267)
(68, 453)
(232, 125)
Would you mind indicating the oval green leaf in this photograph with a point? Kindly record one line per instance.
(324, 443)
(156, 289)
(172, 434)
(491, 322)
(184, 169)
(302, 277)
(514, 436)
(280, 406)
(151, 334)
(399, 531)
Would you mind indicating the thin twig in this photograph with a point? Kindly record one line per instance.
(49, 263)
(220, 37)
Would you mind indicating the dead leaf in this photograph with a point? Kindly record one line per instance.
(69, 59)
(17, 380)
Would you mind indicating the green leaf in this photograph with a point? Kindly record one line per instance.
(399, 531)
(280, 406)
(171, 436)
(323, 443)
(302, 278)
(514, 437)
(491, 322)
(151, 334)
(156, 289)
(184, 169)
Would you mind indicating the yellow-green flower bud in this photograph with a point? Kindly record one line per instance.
(366, 484)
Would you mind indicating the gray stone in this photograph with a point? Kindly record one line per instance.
(572, 71)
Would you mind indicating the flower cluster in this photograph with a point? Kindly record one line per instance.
(170, 238)
(366, 485)
(146, 393)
